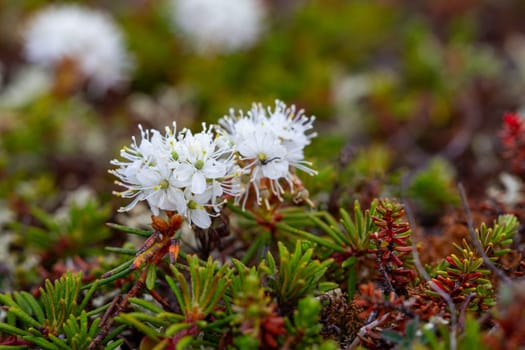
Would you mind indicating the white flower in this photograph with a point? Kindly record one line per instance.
(88, 37)
(265, 154)
(291, 128)
(159, 185)
(222, 25)
(270, 146)
(196, 204)
(247, 155)
(200, 159)
(142, 173)
(183, 172)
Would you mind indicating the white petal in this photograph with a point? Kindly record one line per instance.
(198, 183)
(214, 171)
(175, 200)
(248, 149)
(200, 218)
(276, 169)
(148, 177)
(132, 204)
(156, 198)
(182, 175)
(203, 198)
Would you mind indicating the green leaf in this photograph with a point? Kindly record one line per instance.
(59, 342)
(151, 277)
(88, 296)
(146, 305)
(176, 328)
(130, 230)
(41, 342)
(35, 306)
(184, 342)
(23, 316)
(123, 251)
(114, 344)
(132, 321)
(9, 329)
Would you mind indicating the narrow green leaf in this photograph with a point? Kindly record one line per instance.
(114, 345)
(219, 324)
(333, 233)
(59, 342)
(9, 329)
(184, 342)
(133, 231)
(41, 342)
(195, 280)
(176, 328)
(152, 319)
(177, 292)
(146, 305)
(24, 317)
(35, 306)
(111, 273)
(132, 321)
(213, 298)
(306, 235)
(114, 333)
(271, 262)
(13, 347)
(7, 300)
(123, 251)
(93, 329)
(124, 272)
(151, 277)
(22, 303)
(349, 262)
(88, 296)
(70, 328)
(98, 310)
(327, 286)
(83, 323)
(254, 247)
(349, 226)
(170, 317)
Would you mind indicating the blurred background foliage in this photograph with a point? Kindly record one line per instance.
(407, 95)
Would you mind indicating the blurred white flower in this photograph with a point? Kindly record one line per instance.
(28, 84)
(270, 146)
(219, 25)
(89, 38)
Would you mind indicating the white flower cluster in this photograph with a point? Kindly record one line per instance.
(269, 144)
(219, 25)
(179, 172)
(88, 37)
(193, 174)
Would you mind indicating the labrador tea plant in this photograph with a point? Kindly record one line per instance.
(277, 271)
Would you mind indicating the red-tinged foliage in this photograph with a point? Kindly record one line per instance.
(13, 341)
(392, 247)
(513, 138)
(161, 242)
